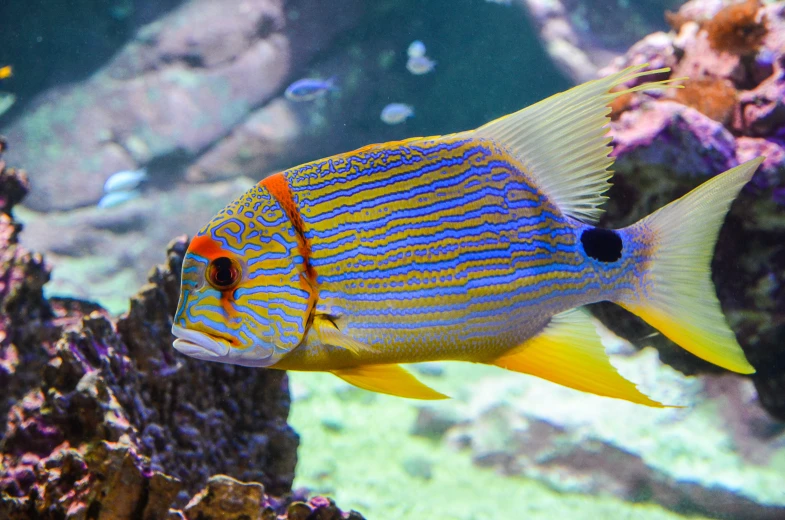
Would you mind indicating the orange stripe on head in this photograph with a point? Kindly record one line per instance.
(278, 187)
(206, 247)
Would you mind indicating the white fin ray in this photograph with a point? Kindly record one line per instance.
(562, 141)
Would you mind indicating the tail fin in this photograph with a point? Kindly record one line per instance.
(681, 301)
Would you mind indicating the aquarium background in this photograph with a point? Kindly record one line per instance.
(195, 93)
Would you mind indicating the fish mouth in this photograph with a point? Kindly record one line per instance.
(198, 344)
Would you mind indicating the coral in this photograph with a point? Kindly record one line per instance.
(621, 104)
(664, 148)
(713, 97)
(737, 29)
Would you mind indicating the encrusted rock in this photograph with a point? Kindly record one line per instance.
(679, 458)
(664, 149)
(576, 34)
(168, 95)
(225, 498)
(108, 421)
(24, 314)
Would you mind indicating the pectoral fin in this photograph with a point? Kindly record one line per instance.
(330, 335)
(569, 352)
(388, 379)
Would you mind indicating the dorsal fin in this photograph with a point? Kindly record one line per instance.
(562, 141)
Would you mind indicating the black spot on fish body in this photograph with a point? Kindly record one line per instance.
(603, 245)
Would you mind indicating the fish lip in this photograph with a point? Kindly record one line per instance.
(203, 346)
(198, 344)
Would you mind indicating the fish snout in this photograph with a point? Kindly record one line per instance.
(206, 347)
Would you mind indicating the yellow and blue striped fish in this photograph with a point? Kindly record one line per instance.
(475, 246)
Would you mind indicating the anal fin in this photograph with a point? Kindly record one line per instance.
(569, 352)
(388, 379)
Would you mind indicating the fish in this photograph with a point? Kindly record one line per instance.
(396, 113)
(6, 72)
(7, 100)
(419, 65)
(116, 198)
(125, 180)
(308, 89)
(416, 49)
(479, 246)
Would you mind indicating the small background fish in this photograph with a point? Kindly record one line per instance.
(416, 49)
(419, 65)
(396, 113)
(125, 180)
(308, 89)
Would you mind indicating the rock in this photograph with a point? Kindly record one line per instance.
(664, 149)
(225, 497)
(671, 136)
(679, 458)
(109, 421)
(418, 467)
(582, 36)
(433, 422)
(168, 95)
(24, 313)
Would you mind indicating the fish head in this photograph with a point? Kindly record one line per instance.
(244, 298)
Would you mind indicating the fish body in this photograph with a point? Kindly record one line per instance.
(6, 72)
(419, 65)
(125, 180)
(445, 252)
(308, 89)
(117, 198)
(396, 113)
(475, 246)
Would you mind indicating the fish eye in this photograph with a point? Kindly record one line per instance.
(223, 273)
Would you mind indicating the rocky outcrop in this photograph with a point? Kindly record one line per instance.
(721, 456)
(729, 111)
(106, 420)
(169, 95)
(582, 36)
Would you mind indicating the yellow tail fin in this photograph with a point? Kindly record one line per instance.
(680, 300)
